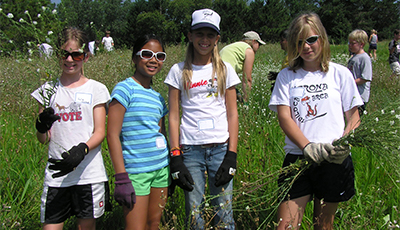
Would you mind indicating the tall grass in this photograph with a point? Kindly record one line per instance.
(260, 150)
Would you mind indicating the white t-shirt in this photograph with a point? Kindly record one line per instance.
(317, 101)
(204, 119)
(108, 41)
(91, 47)
(75, 106)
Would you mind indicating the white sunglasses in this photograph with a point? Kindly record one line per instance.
(148, 54)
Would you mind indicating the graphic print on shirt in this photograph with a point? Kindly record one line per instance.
(305, 100)
(73, 110)
(212, 88)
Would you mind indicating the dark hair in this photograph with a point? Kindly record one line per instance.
(284, 34)
(75, 34)
(396, 31)
(143, 40)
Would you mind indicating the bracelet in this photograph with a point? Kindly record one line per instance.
(175, 152)
(175, 148)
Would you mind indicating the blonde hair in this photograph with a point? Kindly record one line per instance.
(218, 65)
(359, 36)
(374, 31)
(74, 34)
(302, 25)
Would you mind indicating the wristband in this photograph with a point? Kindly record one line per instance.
(175, 152)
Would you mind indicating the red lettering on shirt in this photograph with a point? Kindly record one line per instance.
(71, 116)
(198, 84)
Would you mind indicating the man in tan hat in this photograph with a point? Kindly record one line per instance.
(108, 42)
(241, 56)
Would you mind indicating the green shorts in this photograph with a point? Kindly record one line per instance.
(143, 182)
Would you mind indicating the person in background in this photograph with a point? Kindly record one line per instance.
(241, 56)
(360, 65)
(283, 41)
(108, 42)
(137, 139)
(93, 46)
(373, 44)
(394, 52)
(73, 125)
(311, 120)
(204, 141)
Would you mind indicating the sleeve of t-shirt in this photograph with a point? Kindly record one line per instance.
(280, 94)
(121, 93)
(174, 77)
(232, 78)
(102, 95)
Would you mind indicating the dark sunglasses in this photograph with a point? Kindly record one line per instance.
(76, 56)
(310, 40)
(148, 54)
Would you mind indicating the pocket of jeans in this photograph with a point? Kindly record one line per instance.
(186, 148)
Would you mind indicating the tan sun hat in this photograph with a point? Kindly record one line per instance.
(252, 35)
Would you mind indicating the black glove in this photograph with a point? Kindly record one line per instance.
(227, 169)
(272, 75)
(171, 188)
(45, 120)
(180, 173)
(71, 159)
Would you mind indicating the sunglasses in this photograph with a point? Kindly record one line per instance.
(148, 54)
(76, 56)
(310, 40)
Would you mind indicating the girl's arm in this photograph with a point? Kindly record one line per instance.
(43, 138)
(99, 131)
(290, 128)
(247, 70)
(116, 114)
(232, 116)
(352, 120)
(174, 116)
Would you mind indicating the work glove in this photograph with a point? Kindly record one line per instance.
(272, 77)
(45, 120)
(124, 193)
(70, 161)
(171, 188)
(180, 174)
(339, 154)
(317, 152)
(227, 169)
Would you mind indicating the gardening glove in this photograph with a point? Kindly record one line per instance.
(317, 152)
(272, 75)
(124, 193)
(171, 188)
(45, 120)
(227, 169)
(180, 174)
(70, 161)
(339, 154)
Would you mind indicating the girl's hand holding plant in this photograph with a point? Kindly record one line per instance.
(71, 159)
(46, 119)
(124, 193)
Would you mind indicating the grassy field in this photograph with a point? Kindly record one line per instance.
(260, 150)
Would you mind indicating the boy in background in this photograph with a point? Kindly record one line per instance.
(394, 51)
(360, 65)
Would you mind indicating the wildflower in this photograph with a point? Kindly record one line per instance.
(26, 12)
(91, 23)
(377, 119)
(30, 51)
(391, 122)
(221, 204)
(38, 70)
(206, 204)
(383, 111)
(373, 131)
(392, 112)
(44, 8)
(29, 59)
(28, 43)
(247, 208)
(398, 116)
(21, 20)
(34, 22)
(10, 41)
(54, 11)
(50, 32)
(39, 15)
(1, 10)
(10, 15)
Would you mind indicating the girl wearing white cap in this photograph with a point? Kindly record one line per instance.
(204, 139)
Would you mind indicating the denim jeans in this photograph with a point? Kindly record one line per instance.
(199, 160)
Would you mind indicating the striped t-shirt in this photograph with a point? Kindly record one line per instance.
(144, 148)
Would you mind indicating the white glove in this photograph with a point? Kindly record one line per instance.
(339, 154)
(317, 152)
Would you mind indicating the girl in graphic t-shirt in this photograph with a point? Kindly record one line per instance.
(136, 138)
(205, 138)
(310, 97)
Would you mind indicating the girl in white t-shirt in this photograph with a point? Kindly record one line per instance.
(72, 117)
(204, 139)
(310, 97)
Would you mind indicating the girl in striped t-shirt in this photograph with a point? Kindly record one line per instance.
(136, 139)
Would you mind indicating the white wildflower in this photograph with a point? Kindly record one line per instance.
(10, 15)
(1, 10)
(26, 12)
(10, 41)
(21, 20)
(38, 70)
(365, 112)
(50, 32)
(30, 51)
(247, 208)
(91, 23)
(34, 22)
(391, 122)
(29, 59)
(376, 119)
(39, 15)
(28, 43)
(54, 11)
(17, 61)
(44, 8)
(392, 112)
(206, 204)
(383, 111)
(373, 131)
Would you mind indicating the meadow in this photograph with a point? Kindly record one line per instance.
(260, 150)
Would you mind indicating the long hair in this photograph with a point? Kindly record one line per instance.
(302, 25)
(74, 34)
(218, 65)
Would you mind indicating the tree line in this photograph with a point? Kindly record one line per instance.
(170, 19)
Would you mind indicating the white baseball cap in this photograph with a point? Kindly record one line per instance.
(205, 18)
(252, 35)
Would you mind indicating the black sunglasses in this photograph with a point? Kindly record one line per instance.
(148, 54)
(76, 56)
(310, 40)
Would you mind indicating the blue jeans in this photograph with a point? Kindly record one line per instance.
(198, 160)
